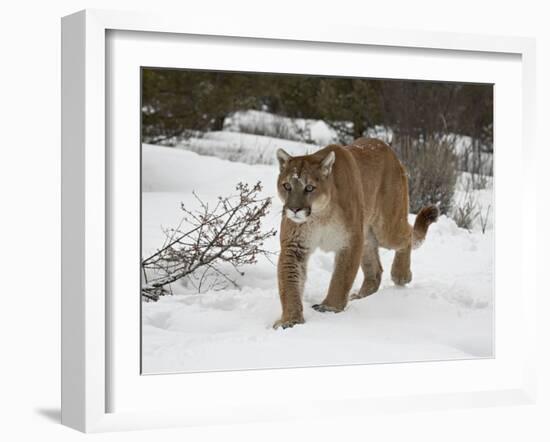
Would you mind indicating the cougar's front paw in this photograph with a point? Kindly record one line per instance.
(326, 308)
(287, 323)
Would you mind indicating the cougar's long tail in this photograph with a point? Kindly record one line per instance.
(425, 217)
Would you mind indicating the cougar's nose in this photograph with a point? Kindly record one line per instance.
(295, 209)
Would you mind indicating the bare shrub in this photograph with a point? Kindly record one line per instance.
(484, 218)
(281, 128)
(431, 166)
(476, 159)
(277, 127)
(479, 181)
(228, 233)
(473, 181)
(465, 211)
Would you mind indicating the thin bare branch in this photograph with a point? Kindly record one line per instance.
(227, 233)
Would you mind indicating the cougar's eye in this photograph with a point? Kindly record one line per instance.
(287, 187)
(309, 188)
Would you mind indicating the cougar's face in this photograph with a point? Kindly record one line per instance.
(302, 184)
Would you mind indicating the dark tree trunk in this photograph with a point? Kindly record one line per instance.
(218, 122)
(359, 128)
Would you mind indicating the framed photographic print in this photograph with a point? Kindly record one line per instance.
(250, 213)
(247, 222)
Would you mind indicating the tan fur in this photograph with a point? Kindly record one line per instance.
(359, 202)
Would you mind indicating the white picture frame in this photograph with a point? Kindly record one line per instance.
(86, 316)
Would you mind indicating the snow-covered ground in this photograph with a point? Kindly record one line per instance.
(445, 313)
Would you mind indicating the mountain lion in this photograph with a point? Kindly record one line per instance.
(349, 200)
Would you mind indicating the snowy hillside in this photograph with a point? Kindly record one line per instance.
(252, 137)
(445, 313)
(298, 129)
(243, 147)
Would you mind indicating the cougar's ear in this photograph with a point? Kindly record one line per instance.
(283, 158)
(327, 163)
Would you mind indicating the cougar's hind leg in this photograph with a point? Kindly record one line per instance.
(371, 266)
(402, 244)
(401, 267)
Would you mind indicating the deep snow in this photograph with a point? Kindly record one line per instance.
(445, 313)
